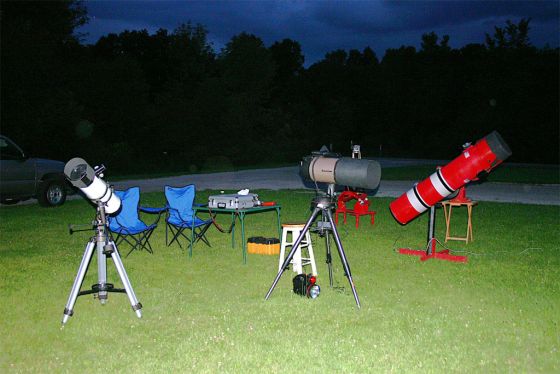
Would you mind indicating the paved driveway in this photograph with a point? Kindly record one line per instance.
(288, 178)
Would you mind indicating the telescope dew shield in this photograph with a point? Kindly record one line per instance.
(484, 156)
(344, 171)
(83, 176)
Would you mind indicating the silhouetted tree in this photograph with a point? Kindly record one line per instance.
(38, 107)
(246, 65)
(511, 36)
(288, 105)
(430, 42)
(247, 71)
(138, 99)
(287, 58)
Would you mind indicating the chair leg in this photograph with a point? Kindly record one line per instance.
(135, 243)
(149, 246)
(175, 232)
(201, 235)
(129, 252)
(145, 241)
(178, 232)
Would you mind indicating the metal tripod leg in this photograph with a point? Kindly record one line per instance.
(339, 247)
(342, 256)
(102, 288)
(293, 251)
(136, 306)
(329, 258)
(69, 309)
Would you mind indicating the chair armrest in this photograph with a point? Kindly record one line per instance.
(151, 210)
(201, 205)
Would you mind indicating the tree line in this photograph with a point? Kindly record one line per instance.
(168, 101)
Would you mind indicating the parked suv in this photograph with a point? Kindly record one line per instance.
(22, 177)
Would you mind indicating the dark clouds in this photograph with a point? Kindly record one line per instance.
(323, 26)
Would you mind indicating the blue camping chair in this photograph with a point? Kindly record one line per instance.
(127, 224)
(180, 216)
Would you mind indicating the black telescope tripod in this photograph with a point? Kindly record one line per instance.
(105, 247)
(323, 204)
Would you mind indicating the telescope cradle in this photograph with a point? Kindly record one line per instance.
(431, 251)
(323, 204)
(105, 246)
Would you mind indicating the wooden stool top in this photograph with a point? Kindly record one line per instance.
(459, 203)
(293, 225)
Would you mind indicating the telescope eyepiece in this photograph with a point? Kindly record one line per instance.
(78, 172)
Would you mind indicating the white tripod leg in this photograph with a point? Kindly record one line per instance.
(136, 306)
(69, 309)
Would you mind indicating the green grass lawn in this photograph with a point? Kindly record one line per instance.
(497, 313)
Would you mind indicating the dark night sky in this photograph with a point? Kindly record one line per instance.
(324, 26)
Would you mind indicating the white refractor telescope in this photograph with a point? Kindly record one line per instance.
(89, 181)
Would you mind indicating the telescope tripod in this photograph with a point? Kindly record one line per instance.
(324, 205)
(105, 246)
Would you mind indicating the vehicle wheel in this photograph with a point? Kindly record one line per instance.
(52, 193)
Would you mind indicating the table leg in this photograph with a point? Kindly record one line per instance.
(233, 216)
(243, 243)
(279, 226)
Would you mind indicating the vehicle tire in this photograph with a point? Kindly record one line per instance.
(52, 193)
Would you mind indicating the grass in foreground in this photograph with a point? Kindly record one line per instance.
(207, 313)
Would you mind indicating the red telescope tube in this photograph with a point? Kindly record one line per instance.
(484, 156)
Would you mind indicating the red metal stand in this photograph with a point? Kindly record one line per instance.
(361, 207)
(430, 251)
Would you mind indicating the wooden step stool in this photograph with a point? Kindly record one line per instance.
(293, 231)
(448, 208)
